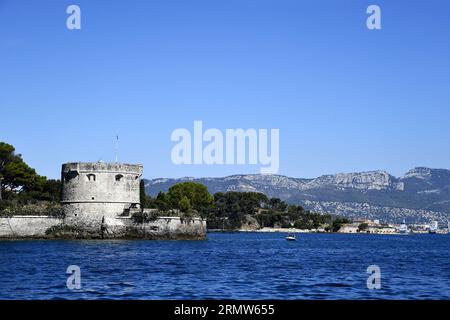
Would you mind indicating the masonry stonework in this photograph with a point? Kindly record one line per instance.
(93, 192)
(27, 226)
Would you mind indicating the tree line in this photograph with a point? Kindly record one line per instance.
(20, 184)
(231, 210)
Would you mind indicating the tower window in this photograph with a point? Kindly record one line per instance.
(90, 177)
(119, 177)
(70, 175)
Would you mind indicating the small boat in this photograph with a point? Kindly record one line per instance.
(291, 237)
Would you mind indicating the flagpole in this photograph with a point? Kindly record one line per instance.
(117, 149)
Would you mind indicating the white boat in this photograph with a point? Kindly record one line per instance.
(403, 228)
(291, 237)
(433, 228)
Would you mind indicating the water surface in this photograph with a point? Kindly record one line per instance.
(230, 266)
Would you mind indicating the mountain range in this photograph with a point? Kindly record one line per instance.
(420, 196)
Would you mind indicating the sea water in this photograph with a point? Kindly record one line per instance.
(230, 266)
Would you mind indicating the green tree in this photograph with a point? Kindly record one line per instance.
(185, 205)
(6, 156)
(15, 174)
(162, 202)
(233, 207)
(338, 222)
(51, 190)
(198, 196)
(21, 182)
(145, 200)
(277, 205)
(363, 227)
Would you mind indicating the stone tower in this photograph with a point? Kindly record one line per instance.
(96, 192)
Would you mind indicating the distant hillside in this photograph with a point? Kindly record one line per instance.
(421, 195)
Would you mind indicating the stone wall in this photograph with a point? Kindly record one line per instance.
(89, 216)
(171, 228)
(164, 228)
(26, 226)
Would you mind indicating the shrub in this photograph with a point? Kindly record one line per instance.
(144, 217)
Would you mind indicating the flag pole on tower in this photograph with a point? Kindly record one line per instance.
(117, 149)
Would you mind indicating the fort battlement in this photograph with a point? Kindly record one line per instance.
(100, 183)
(102, 166)
(94, 191)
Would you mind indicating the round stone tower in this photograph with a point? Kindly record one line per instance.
(93, 192)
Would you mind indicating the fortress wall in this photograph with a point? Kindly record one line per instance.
(89, 216)
(100, 182)
(163, 228)
(26, 226)
(176, 228)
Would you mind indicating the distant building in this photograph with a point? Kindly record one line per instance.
(372, 227)
(349, 228)
(382, 230)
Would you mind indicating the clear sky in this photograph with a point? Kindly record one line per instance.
(345, 98)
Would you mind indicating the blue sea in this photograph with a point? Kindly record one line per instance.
(230, 266)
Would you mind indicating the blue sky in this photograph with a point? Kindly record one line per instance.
(344, 98)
